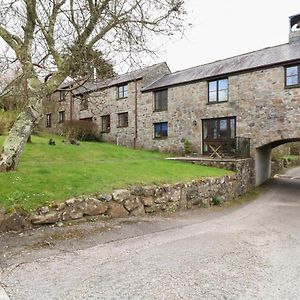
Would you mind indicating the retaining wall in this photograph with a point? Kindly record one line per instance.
(142, 200)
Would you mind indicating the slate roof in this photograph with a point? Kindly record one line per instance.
(119, 79)
(252, 60)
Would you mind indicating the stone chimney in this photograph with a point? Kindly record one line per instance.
(294, 36)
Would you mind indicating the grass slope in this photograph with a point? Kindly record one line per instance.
(53, 173)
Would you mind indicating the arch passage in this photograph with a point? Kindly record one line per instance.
(263, 159)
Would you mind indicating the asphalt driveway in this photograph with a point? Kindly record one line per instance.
(247, 252)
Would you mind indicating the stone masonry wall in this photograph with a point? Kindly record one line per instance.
(265, 111)
(141, 200)
(105, 102)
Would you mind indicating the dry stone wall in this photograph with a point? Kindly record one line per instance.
(142, 200)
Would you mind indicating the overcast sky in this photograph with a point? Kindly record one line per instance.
(224, 28)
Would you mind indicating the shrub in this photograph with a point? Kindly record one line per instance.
(216, 200)
(187, 147)
(80, 130)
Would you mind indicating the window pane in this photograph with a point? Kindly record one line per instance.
(161, 130)
(212, 96)
(223, 95)
(105, 123)
(291, 71)
(212, 86)
(161, 100)
(223, 129)
(205, 129)
(157, 130)
(213, 129)
(164, 129)
(125, 91)
(293, 80)
(123, 119)
(223, 84)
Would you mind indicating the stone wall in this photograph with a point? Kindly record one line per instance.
(54, 105)
(142, 200)
(265, 111)
(277, 166)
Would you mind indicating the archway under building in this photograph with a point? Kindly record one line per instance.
(263, 156)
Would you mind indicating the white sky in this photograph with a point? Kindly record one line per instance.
(224, 28)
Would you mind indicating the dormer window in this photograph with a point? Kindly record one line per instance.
(218, 90)
(292, 76)
(122, 91)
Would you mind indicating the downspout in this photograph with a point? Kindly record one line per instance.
(71, 106)
(135, 114)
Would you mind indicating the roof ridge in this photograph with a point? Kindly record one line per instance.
(140, 69)
(227, 58)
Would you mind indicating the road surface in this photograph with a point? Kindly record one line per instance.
(247, 252)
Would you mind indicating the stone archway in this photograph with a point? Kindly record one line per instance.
(263, 159)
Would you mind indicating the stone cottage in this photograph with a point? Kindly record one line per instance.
(253, 97)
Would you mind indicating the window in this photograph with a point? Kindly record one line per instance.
(217, 132)
(123, 91)
(84, 104)
(292, 76)
(48, 120)
(105, 123)
(61, 116)
(160, 130)
(62, 95)
(218, 91)
(123, 119)
(161, 100)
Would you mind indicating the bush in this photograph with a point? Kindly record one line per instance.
(80, 130)
(187, 147)
(216, 200)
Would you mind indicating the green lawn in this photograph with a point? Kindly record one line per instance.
(52, 173)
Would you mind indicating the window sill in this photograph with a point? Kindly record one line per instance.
(288, 87)
(161, 110)
(122, 126)
(122, 98)
(161, 138)
(216, 102)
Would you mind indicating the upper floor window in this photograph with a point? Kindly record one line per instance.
(84, 104)
(161, 130)
(218, 90)
(48, 120)
(62, 95)
(292, 77)
(161, 100)
(123, 91)
(61, 116)
(123, 119)
(105, 122)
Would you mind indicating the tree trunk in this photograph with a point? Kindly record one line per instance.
(21, 131)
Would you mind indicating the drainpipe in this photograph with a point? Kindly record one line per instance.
(135, 114)
(71, 106)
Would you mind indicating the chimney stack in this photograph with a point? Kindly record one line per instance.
(294, 36)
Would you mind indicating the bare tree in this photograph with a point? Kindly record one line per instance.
(63, 36)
